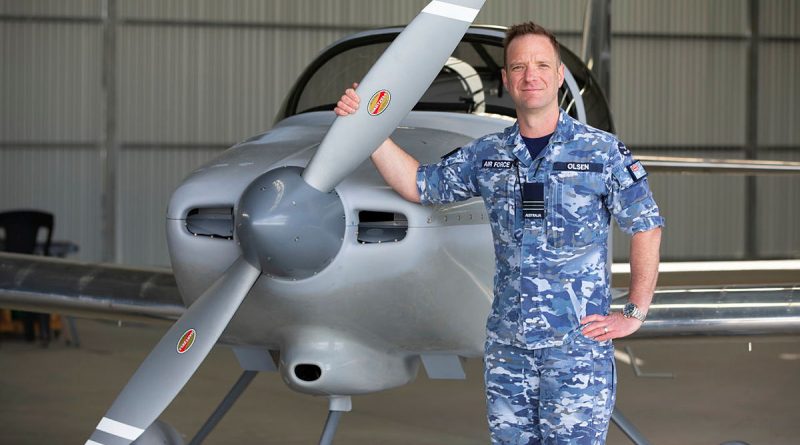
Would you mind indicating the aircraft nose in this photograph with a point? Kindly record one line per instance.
(288, 227)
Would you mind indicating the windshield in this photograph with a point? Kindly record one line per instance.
(469, 82)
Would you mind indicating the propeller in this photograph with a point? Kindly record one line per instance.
(289, 222)
(393, 85)
(175, 358)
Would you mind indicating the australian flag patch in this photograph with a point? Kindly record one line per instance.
(637, 171)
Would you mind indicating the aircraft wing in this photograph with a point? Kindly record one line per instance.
(668, 164)
(106, 291)
(719, 298)
(696, 298)
(719, 311)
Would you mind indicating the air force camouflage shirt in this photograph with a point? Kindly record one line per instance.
(550, 256)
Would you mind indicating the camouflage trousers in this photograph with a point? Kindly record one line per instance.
(558, 395)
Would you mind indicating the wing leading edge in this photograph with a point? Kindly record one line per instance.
(107, 291)
(720, 311)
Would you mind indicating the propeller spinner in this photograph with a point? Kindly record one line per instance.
(288, 228)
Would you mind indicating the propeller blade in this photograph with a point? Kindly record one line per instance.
(390, 89)
(175, 358)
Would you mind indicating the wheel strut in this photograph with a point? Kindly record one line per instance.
(226, 404)
(337, 405)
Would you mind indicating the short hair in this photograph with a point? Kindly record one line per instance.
(522, 29)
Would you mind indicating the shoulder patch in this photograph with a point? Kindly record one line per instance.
(623, 150)
(637, 171)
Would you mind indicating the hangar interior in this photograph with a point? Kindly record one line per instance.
(106, 105)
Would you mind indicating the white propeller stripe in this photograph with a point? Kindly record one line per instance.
(91, 442)
(451, 11)
(119, 429)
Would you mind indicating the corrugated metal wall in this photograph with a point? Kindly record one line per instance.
(680, 74)
(193, 77)
(779, 126)
(678, 83)
(51, 117)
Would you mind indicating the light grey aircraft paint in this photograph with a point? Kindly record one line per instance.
(289, 227)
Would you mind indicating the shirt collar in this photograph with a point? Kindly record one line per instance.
(564, 132)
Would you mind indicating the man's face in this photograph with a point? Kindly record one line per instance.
(532, 74)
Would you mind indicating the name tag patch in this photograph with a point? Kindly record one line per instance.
(495, 163)
(578, 167)
(637, 171)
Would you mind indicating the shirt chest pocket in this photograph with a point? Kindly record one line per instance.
(574, 216)
(498, 188)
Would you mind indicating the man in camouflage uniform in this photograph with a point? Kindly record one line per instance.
(550, 184)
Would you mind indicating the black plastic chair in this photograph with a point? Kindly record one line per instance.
(21, 229)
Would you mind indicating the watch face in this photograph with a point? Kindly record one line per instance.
(628, 309)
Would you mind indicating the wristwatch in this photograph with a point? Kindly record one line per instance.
(631, 310)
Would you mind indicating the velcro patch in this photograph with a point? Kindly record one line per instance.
(637, 171)
(497, 163)
(578, 167)
(533, 200)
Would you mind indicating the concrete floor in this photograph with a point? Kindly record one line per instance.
(722, 391)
